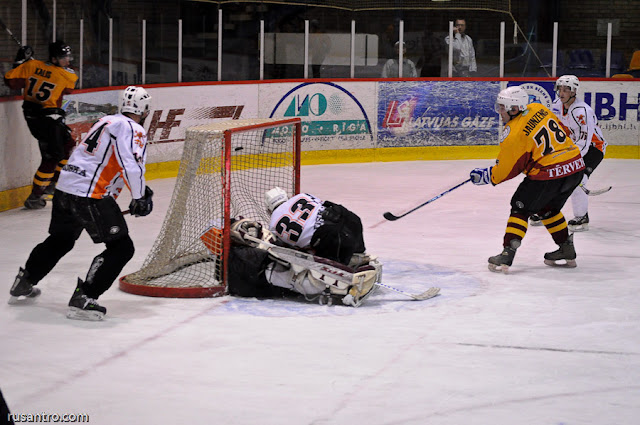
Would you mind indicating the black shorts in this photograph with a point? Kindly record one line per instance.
(48, 126)
(340, 236)
(540, 196)
(101, 218)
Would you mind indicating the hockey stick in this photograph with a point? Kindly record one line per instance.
(392, 217)
(337, 273)
(429, 293)
(10, 33)
(595, 192)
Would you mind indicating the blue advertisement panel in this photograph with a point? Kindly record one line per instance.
(437, 113)
(539, 92)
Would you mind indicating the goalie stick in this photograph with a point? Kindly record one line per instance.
(392, 217)
(595, 192)
(341, 273)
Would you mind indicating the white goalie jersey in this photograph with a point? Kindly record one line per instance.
(295, 221)
(111, 155)
(582, 124)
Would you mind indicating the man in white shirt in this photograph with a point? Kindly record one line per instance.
(464, 55)
(391, 68)
(111, 155)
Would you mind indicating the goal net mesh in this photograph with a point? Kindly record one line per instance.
(225, 170)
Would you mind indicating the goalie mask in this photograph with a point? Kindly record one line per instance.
(135, 100)
(570, 81)
(274, 198)
(512, 98)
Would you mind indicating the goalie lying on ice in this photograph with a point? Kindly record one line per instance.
(259, 268)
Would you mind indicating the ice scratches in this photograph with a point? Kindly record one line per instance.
(561, 350)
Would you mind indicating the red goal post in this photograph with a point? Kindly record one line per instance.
(225, 170)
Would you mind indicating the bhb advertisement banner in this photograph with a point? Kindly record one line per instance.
(615, 106)
(437, 113)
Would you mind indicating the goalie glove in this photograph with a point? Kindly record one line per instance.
(480, 176)
(24, 54)
(243, 227)
(142, 206)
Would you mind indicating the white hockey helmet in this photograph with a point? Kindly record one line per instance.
(275, 197)
(512, 96)
(134, 100)
(570, 81)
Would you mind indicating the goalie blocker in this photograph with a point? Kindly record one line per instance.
(258, 268)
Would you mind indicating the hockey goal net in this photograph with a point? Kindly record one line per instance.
(225, 170)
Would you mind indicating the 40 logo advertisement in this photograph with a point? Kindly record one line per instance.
(326, 109)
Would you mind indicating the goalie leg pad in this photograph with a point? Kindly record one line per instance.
(364, 282)
(294, 279)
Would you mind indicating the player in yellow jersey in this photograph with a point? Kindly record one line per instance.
(533, 143)
(44, 84)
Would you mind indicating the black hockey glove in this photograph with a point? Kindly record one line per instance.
(143, 206)
(332, 213)
(24, 54)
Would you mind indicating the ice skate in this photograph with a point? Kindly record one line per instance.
(535, 220)
(566, 252)
(48, 192)
(579, 224)
(502, 262)
(22, 288)
(34, 202)
(82, 307)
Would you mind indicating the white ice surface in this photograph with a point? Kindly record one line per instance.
(540, 345)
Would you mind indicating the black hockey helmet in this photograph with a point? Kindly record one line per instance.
(59, 50)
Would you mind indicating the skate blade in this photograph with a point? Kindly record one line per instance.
(579, 228)
(76, 313)
(503, 268)
(24, 299)
(568, 264)
(20, 300)
(535, 223)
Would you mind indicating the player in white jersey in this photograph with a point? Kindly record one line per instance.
(326, 229)
(111, 155)
(582, 124)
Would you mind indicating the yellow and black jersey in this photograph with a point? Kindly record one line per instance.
(44, 83)
(535, 144)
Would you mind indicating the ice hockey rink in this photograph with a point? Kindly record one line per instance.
(539, 345)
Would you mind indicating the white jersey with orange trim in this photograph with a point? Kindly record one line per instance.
(582, 124)
(295, 221)
(112, 154)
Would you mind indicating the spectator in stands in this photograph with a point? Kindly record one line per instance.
(464, 55)
(432, 55)
(391, 68)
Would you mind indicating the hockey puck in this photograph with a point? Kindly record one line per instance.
(239, 148)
